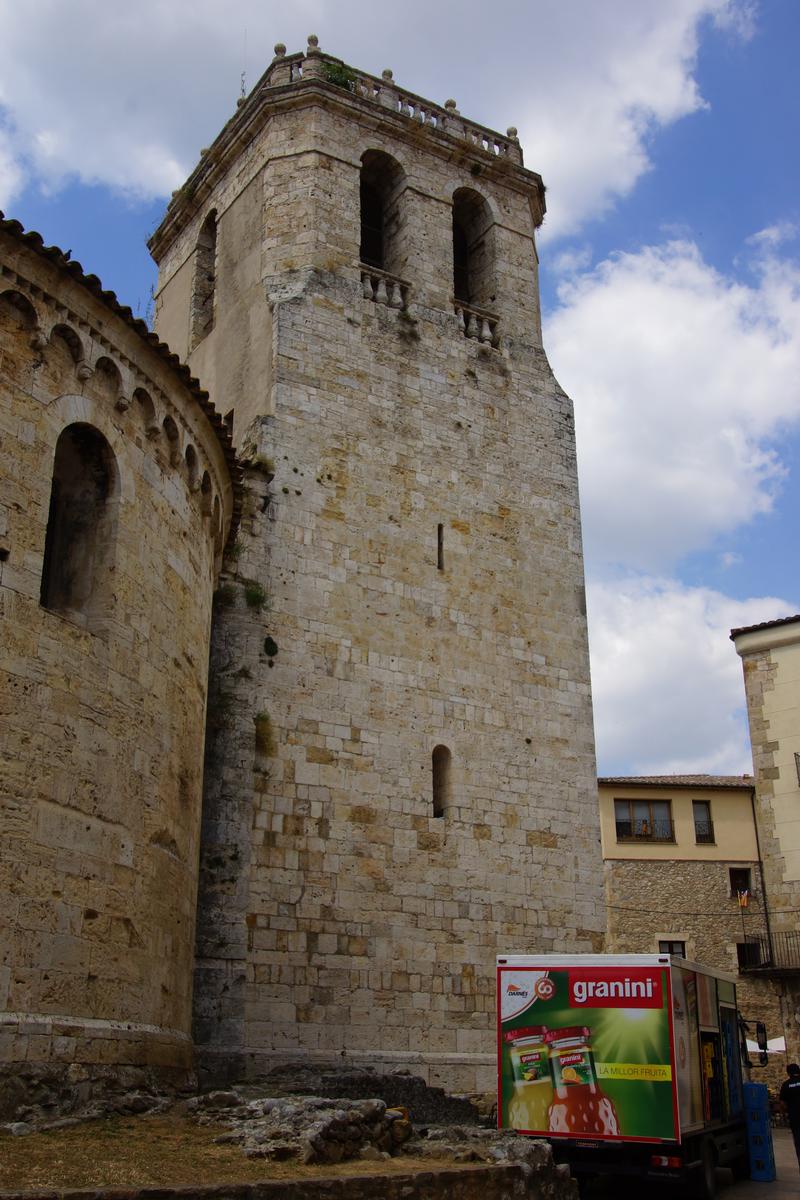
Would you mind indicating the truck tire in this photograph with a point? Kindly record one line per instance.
(705, 1182)
(741, 1167)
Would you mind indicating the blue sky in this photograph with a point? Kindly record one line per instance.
(666, 132)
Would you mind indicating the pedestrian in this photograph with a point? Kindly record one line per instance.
(789, 1097)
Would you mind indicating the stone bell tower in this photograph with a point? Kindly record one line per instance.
(400, 768)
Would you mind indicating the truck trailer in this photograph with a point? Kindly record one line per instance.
(629, 1064)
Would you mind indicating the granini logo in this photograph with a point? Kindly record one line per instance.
(615, 988)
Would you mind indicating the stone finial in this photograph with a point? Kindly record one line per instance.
(279, 50)
(451, 106)
(204, 152)
(387, 75)
(241, 101)
(512, 132)
(313, 44)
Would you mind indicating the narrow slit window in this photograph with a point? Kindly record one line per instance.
(440, 547)
(205, 280)
(441, 760)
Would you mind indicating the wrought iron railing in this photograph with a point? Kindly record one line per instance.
(660, 830)
(704, 832)
(778, 952)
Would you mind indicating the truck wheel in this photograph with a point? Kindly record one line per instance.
(706, 1179)
(741, 1167)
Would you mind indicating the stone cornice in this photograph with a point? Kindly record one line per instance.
(451, 137)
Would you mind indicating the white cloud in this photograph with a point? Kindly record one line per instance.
(774, 235)
(625, 77)
(128, 94)
(571, 261)
(12, 176)
(686, 383)
(682, 379)
(666, 679)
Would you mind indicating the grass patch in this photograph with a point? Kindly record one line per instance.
(265, 735)
(339, 75)
(225, 596)
(159, 1151)
(254, 594)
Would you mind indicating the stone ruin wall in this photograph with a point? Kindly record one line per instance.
(338, 916)
(103, 722)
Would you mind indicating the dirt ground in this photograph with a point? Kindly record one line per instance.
(165, 1150)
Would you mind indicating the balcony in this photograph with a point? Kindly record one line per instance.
(775, 954)
(704, 833)
(660, 830)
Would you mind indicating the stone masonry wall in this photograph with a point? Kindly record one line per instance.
(103, 723)
(691, 902)
(760, 673)
(341, 917)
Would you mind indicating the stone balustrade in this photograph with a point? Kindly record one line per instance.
(384, 91)
(477, 323)
(384, 288)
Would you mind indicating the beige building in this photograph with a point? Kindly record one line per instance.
(679, 853)
(770, 655)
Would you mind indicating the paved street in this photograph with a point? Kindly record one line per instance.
(785, 1186)
(788, 1181)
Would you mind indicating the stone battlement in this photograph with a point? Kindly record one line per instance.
(297, 73)
(313, 64)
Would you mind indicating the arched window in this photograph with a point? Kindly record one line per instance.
(473, 250)
(79, 544)
(173, 440)
(382, 227)
(17, 309)
(440, 764)
(205, 276)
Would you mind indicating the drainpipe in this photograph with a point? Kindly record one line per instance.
(761, 872)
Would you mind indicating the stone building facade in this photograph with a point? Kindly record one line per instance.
(399, 761)
(400, 778)
(770, 654)
(116, 498)
(677, 850)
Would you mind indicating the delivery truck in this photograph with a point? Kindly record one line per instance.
(629, 1064)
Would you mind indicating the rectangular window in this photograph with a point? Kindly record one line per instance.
(703, 825)
(678, 948)
(644, 820)
(748, 955)
(440, 547)
(741, 881)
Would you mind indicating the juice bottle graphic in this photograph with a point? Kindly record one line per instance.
(579, 1106)
(533, 1084)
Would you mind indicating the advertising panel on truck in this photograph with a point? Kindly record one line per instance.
(687, 1061)
(585, 1049)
